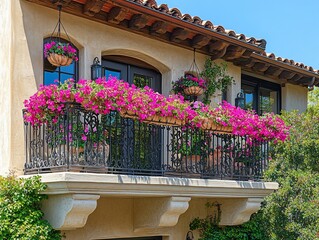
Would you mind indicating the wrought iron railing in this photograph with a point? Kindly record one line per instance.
(83, 141)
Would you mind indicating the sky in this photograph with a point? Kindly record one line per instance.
(290, 27)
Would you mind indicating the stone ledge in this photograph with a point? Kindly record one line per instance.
(147, 186)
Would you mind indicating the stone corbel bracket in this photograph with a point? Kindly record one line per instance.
(239, 211)
(69, 211)
(152, 213)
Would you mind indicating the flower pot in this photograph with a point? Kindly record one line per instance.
(128, 114)
(164, 120)
(194, 91)
(210, 125)
(59, 60)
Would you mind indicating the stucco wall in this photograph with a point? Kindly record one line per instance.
(113, 218)
(294, 97)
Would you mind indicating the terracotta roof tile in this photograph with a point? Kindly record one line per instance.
(290, 62)
(175, 12)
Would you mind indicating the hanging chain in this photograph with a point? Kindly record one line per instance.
(194, 68)
(58, 28)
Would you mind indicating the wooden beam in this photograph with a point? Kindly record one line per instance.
(305, 81)
(138, 21)
(260, 66)
(233, 52)
(295, 78)
(93, 7)
(200, 41)
(286, 75)
(218, 54)
(116, 15)
(247, 53)
(61, 2)
(244, 62)
(159, 27)
(273, 71)
(217, 46)
(178, 35)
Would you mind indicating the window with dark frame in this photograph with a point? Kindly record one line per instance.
(53, 74)
(261, 96)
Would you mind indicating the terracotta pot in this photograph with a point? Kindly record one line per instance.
(209, 124)
(194, 91)
(128, 114)
(59, 60)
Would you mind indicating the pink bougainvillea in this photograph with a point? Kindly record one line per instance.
(103, 96)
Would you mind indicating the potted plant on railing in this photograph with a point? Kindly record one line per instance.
(60, 54)
(189, 85)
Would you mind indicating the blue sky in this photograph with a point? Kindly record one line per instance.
(290, 27)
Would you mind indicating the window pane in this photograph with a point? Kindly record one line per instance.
(50, 77)
(141, 80)
(268, 100)
(250, 96)
(68, 69)
(112, 73)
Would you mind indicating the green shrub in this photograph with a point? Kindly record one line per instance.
(20, 214)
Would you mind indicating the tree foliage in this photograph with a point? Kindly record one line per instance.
(20, 214)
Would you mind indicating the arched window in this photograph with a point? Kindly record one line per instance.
(53, 74)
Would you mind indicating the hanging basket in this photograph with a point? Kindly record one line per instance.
(59, 60)
(194, 91)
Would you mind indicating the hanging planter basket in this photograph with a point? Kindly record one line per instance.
(191, 84)
(59, 52)
(59, 60)
(193, 91)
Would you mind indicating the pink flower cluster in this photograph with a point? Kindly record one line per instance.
(248, 123)
(60, 48)
(200, 81)
(103, 96)
(188, 81)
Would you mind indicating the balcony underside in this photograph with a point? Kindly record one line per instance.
(166, 198)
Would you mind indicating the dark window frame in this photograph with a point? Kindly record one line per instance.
(127, 72)
(258, 83)
(47, 65)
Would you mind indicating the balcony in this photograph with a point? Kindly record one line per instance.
(82, 141)
(160, 168)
